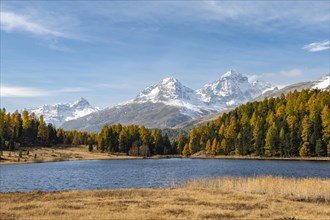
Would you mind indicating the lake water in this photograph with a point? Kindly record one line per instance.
(152, 173)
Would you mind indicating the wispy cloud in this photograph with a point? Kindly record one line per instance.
(269, 14)
(317, 46)
(11, 22)
(20, 91)
(247, 12)
(16, 91)
(291, 73)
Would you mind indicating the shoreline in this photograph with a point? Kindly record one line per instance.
(73, 153)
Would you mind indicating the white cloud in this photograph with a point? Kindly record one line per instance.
(20, 91)
(71, 90)
(269, 14)
(317, 46)
(13, 22)
(16, 91)
(291, 73)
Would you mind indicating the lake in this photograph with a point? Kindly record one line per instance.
(148, 173)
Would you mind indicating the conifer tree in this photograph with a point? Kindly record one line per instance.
(271, 141)
(186, 151)
(214, 146)
(325, 116)
(305, 148)
(42, 130)
(208, 147)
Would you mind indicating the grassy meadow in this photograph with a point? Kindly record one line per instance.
(221, 198)
(55, 154)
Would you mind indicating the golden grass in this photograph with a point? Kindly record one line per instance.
(221, 198)
(306, 189)
(56, 154)
(63, 153)
(203, 155)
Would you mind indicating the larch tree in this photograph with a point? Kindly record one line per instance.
(214, 146)
(306, 126)
(325, 116)
(208, 147)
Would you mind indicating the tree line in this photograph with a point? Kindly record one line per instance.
(24, 129)
(297, 124)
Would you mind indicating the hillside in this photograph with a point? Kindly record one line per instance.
(297, 124)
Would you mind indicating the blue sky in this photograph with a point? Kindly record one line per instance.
(107, 52)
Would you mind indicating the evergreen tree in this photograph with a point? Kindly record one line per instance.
(305, 148)
(271, 141)
(42, 131)
(208, 147)
(214, 146)
(167, 145)
(325, 116)
(194, 142)
(182, 140)
(257, 142)
(186, 151)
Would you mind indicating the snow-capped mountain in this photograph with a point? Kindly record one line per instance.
(322, 83)
(232, 89)
(59, 113)
(171, 92)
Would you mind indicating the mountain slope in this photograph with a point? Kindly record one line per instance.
(169, 103)
(151, 115)
(322, 83)
(171, 92)
(60, 113)
(232, 89)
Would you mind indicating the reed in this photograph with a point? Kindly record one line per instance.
(302, 189)
(221, 198)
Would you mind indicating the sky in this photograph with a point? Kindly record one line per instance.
(109, 51)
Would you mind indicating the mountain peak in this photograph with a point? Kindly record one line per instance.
(168, 90)
(59, 113)
(231, 89)
(81, 101)
(230, 73)
(169, 80)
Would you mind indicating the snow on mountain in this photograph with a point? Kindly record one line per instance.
(59, 113)
(323, 83)
(169, 103)
(232, 89)
(171, 92)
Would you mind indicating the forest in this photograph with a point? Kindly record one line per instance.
(24, 130)
(297, 124)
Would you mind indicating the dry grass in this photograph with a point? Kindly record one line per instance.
(198, 199)
(63, 153)
(307, 189)
(203, 155)
(44, 154)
